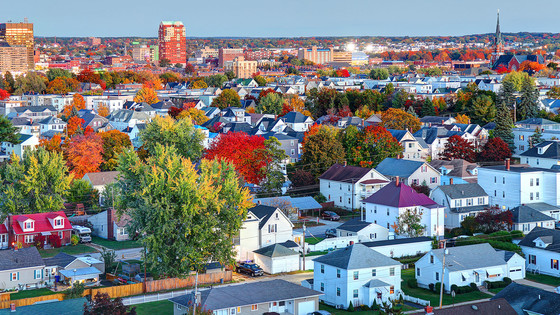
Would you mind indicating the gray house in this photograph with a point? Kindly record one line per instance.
(277, 296)
(21, 269)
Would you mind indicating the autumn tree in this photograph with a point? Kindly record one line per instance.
(74, 126)
(102, 304)
(261, 81)
(369, 146)
(394, 118)
(78, 103)
(199, 84)
(146, 95)
(31, 83)
(102, 110)
(228, 98)
(84, 154)
(409, 223)
(166, 131)
(114, 143)
(270, 104)
(483, 109)
(293, 103)
(37, 183)
(494, 220)
(197, 116)
(321, 149)
(4, 95)
(554, 92)
(53, 144)
(495, 149)
(458, 148)
(462, 119)
(204, 207)
(516, 79)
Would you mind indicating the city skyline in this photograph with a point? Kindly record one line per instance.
(291, 19)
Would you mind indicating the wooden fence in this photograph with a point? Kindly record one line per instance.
(118, 291)
(188, 282)
(32, 300)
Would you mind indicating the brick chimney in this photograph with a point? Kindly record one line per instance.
(110, 219)
(451, 181)
(507, 164)
(397, 181)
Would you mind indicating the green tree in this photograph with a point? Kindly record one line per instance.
(164, 62)
(179, 65)
(507, 94)
(261, 81)
(54, 73)
(272, 184)
(230, 75)
(270, 104)
(228, 98)
(504, 125)
(216, 80)
(400, 98)
(38, 183)
(8, 133)
(30, 83)
(483, 109)
(536, 138)
(528, 107)
(82, 192)
(185, 216)
(554, 92)
(321, 150)
(427, 108)
(10, 82)
(167, 131)
(409, 223)
(379, 74)
(516, 79)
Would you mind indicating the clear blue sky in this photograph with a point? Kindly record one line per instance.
(284, 18)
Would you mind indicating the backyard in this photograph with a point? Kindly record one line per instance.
(544, 279)
(114, 244)
(31, 293)
(433, 297)
(155, 308)
(70, 250)
(335, 311)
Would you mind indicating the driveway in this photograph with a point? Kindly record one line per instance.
(122, 254)
(541, 286)
(318, 231)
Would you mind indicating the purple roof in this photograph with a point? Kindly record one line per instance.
(399, 196)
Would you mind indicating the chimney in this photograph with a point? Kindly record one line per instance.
(451, 181)
(397, 181)
(110, 213)
(507, 164)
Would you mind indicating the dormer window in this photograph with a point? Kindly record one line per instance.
(29, 225)
(58, 222)
(541, 151)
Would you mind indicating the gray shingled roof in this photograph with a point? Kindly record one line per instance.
(263, 213)
(525, 214)
(354, 225)
(275, 250)
(540, 232)
(218, 298)
(22, 258)
(356, 256)
(376, 283)
(469, 257)
(524, 298)
(346, 174)
(61, 259)
(460, 191)
(398, 241)
(551, 150)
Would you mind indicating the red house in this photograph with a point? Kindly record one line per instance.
(52, 228)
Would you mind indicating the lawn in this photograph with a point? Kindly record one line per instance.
(313, 240)
(114, 244)
(155, 308)
(70, 250)
(334, 311)
(544, 279)
(434, 297)
(31, 293)
(496, 290)
(299, 225)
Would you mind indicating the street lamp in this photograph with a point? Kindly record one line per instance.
(72, 280)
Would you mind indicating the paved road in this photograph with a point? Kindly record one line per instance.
(318, 231)
(131, 253)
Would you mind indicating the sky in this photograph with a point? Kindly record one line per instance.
(284, 18)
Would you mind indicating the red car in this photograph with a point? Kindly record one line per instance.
(329, 215)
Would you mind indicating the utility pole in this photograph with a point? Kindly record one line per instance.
(304, 245)
(195, 293)
(145, 276)
(442, 276)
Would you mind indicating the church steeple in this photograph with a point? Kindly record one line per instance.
(498, 44)
(498, 39)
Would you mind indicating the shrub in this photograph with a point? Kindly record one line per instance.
(374, 306)
(503, 236)
(474, 286)
(76, 291)
(516, 234)
(75, 239)
(455, 288)
(431, 286)
(438, 287)
(463, 289)
(412, 283)
(496, 284)
(350, 307)
(507, 280)
(456, 232)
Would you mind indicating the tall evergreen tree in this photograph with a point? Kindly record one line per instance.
(504, 125)
(8, 133)
(411, 111)
(507, 94)
(528, 107)
(427, 108)
(10, 82)
(536, 138)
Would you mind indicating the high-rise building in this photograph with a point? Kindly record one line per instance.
(19, 34)
(243, 69)
(316, 55)
(13, 59)
(172, 38)
(228, 54)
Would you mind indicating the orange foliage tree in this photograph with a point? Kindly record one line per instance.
(84, 154)
(462, 119)
(293, 103)
(74, 126)
(531, 66)
(78, 102)
(395, 118)
(102, 110)
(53, 144)
(146, 95)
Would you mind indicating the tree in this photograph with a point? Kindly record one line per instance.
(199, 84)
(409, 223)
(458, 148)
(78, 103)
(63, 85)
(164, 62)
(53, 144)
(394, 118)
(4, 95)
(483, 109)
(528, 107)
(261, 81)
(8, 133)
(228, 98)
(54, 73)
(74, 126)
(203, 207)
(189, 68)
(427, 108)
(516, 79)
(31, 83)
(38, 183)
(379, 74)
(114, 143)
(102, 304)
(494, 220)
(230, 75)
(504, 125)
(216, 80)
(84, 154)
(507, 94)
(10, 82)
(270, 104)
(182, 134)
(293, 103)
(109, 258)
(82, 192)
(554, 92)
(321, 149)
(146, 95)
(462, 119)
(301, 178)
(102, 110)
(495, 149)
(373, 144)
(536, 138)
(179, 65)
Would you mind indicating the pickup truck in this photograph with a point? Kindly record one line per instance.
(251, 269)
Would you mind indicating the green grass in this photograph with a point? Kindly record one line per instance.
(334, 311)
(114, 244)
(496, 290)
(155, 308)
(31, 293)
(313, 240)
(434, 297)
(70, 250)
(318, 253)
(544, 279)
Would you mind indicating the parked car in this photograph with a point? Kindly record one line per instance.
(330, 215)
(253, 270)
(330, 233)
(319, 313)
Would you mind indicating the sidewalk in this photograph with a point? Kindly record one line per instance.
(448, 306)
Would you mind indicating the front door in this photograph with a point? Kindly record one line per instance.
(3, 241)
(476, 278)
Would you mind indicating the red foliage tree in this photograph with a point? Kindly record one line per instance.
(494, 220)
(74, 126)
(458, 148)
(494, 150)
(247, 153)
(4, 95)
(174, 111)
(84, 154)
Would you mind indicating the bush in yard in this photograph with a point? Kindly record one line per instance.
(503, 236)
(40, 241)
(374, 306)
(464, 289)
(516, 234)
(474, 286)
(438, 287)
(507, 280)
(75, 291)
(55, 240)
(455, 288)
(74, 240)
(496, 284)
(412, 283)
(431, 286)
(350, 307)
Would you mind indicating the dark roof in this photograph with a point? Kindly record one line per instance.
(35, 109)
(398, 167)
(398, 134)
(289, 244)
(399, 196)
(398, 241)
(64, 307)
(456, 168)
(459, 191)
(61, 259)
(347, 174)
(536, 121)
(492, 307)
(354, 225)
(218, 298)
(525, 214)
(551, 150)
(294, 117)
(21, 258)
(357, 256)
(263, 213)
(524, 298)
(540, 232)
(275, 250)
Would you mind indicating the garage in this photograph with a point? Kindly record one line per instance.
(277, 258)
(516, 273)
(306, 307)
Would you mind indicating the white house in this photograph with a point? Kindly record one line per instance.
(27, 142)
(277, 258)
(460, 201)
(356, 274)
(385, 206)
(545, 155)
(348, 185)
(52, 123)
(525, 129)
(413, 148)
(456, 171)
(297, 121)
(365, 231)
(401, 247)
(109, 225)
(468, 264)
(541, 248)
(410, 172)
(111, 104)
(263, 226)
(525, 218)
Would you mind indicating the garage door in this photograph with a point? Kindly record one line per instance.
(306, 307)
(516, 273)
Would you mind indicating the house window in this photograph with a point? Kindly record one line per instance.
(532, 259)
(61, 235)
(232, 311)
(418, 272)
(374, 209)
(481, 200)
(348, 200)
(337, 291)
(29, 225)
(340, 186)
(392, 271)
(322, 268)
(521, 137)
(329, 185)
(355, 294)
(272, 228)
(531, 182)
(537, 182)
(338, 273)
(254, 307)
(554, 264)
(504, 193)
(373, 272)
(494, 179)
(14, 276)
(373, 236)
(293, 152)
(58, 222)
(503, 180)
(341, 199)
(29, 239)
(356, 275)
(37, 274)
(437, 276)
(349, 187)
(387, 211)
(537, 195)
(469, 202)
(433, 180)
(322, 287)
(392, 290)
(431, 259)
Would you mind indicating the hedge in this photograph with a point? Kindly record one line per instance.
(461, 289)
(412, 283)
